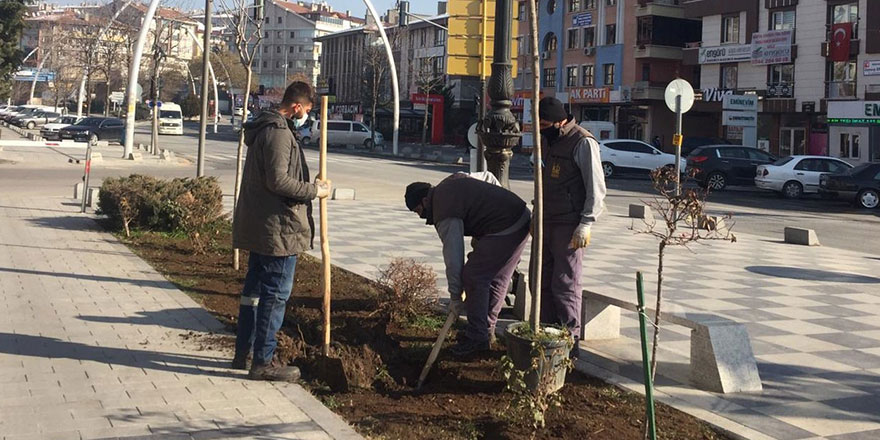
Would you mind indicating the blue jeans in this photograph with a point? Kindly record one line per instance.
(267, 287)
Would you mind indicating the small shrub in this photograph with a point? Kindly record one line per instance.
(410, 290)
(142, 202)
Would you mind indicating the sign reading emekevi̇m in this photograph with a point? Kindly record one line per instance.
(748, 103)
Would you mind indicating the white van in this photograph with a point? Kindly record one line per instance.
(602, 130)
(346, 133)
(170, 119)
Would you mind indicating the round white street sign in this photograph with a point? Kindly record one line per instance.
(680, 87)
(472, 135)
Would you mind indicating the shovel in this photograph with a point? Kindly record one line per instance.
(327, 369)
(450, 319)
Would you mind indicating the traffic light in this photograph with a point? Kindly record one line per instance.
(403, 13)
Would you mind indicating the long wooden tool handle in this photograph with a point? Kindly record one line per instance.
(325, 242)
(436, 350)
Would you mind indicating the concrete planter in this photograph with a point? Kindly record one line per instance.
(523, 351)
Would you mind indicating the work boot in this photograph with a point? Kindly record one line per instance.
(574, 353)
(239, 362)
(466, 347)
(273, 373)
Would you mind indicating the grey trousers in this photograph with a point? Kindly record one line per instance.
(486, 278)
(561, 278)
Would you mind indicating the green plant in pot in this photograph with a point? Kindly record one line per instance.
(537, 356)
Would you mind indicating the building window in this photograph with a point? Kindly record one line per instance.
(843, 80)
(277, 64)
(587, 75)
(589, 36)
(266, 33)
(782, 74)
(645, 30)
(277, 49)
(265, 64)
(551, 6)
(290, 49)
(437, 66)
(849, 145)
(439, 37)
(728, 77)
(574, 5)
(571, 76)
(280, 35)
(550, 43)
(610, 34)
(292, 34)
(265, 49)
(423, 38)
(589, 4)
(609, 74)
(521, 11)
(573, 38)
(646, 72)
(611, 2)
(290, 64)
(782, 20)
(280, 20)
(550, 77)
(730, 29)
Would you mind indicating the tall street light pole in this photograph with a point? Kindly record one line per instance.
(499, 130)
(206, 62)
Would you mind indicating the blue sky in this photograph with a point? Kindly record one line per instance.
(356, 6)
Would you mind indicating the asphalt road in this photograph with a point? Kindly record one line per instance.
(837, 222)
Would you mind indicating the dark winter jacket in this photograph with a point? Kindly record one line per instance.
(273, 214)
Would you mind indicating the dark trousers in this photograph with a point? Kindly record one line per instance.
(561, 278)
(486, 278)
(267, 287)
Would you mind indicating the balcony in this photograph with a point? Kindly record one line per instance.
(853, 48)
(648, 90)
(841, 90)
(661, 8)
(656, 51)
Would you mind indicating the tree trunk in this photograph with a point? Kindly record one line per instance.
(538, 214)
(425, 122)
(660, 254)
(239, 157)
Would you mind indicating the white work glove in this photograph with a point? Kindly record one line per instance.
(456, 305)
(581, 237)
(324, 188)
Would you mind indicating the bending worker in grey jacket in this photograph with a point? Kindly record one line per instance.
(574, 196)
(498, 220)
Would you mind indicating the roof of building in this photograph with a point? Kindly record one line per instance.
(301, 9)
(166, 13)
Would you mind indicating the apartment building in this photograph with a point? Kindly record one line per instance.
(818, 96)
(288, 47)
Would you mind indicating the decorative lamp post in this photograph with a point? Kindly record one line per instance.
(499, 130)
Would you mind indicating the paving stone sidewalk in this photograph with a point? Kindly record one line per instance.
(813, 315)
(95, 344)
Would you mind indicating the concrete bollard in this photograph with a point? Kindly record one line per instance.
(77, 190)
(343, 194)
(135, 156)
(97, 157)
(801, 236)
(640, 211)
(166, 155)
(93, 195)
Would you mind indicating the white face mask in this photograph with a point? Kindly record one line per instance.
(299, 122)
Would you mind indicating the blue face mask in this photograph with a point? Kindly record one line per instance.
(299, 122)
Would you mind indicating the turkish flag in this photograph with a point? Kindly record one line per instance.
(841, 34)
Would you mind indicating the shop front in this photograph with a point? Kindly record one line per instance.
(854, 130)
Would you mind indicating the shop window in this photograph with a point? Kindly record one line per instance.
(730, 29)
(849, 145)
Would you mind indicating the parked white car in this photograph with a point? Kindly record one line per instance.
(794, 176)
(346, 133)
(52, 131)
(628, 155)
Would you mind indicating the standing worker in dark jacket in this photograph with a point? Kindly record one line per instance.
(574, 195)
(498, 220)
(273, 221)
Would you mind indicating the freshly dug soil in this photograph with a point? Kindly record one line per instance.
(462, 399)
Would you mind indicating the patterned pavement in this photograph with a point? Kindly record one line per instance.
(813, 314)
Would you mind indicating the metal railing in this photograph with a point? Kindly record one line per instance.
(841, 89)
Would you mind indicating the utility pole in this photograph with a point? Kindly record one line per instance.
(203, 119)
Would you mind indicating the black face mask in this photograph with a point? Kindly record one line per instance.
(550, 133)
